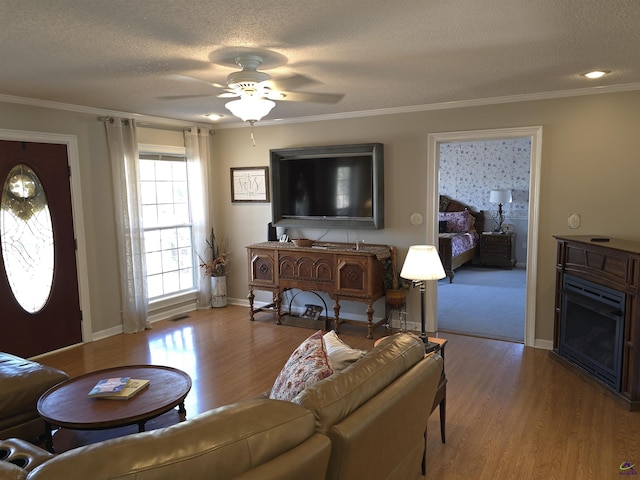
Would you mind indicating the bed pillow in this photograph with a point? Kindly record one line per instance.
(457, 222)
(307, 364)
(340, 354)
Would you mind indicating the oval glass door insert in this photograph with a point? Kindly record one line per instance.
(26, 237)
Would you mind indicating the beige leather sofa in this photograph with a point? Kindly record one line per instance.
(21, 384)
(367, 421)
(375, 411)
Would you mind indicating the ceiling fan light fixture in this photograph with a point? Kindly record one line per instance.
(596, 74)
(250, 109)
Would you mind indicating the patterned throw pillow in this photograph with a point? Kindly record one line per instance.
(306, 365)
(457, 222)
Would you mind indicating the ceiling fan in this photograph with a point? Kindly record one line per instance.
(250, 82)
(255, 92)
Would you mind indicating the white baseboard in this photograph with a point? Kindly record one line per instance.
(172, 312)
(543, 344)
(153, 318)
(109, 332)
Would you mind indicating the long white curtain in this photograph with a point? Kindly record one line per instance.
(123, 155)
(196, 142)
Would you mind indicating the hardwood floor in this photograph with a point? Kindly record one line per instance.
(512, 412)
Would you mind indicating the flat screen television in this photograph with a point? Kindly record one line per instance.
(337, 186)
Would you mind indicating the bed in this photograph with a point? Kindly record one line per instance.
(459, 234)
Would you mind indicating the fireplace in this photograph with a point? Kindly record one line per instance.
(597, 312)
(592, 325)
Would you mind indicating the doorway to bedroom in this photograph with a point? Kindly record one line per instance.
(483, 299)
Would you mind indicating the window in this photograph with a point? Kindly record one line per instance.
(167, 224)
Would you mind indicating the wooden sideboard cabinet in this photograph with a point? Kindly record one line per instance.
(498, 250)
(337, 269)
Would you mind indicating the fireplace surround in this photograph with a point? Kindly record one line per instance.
(597, 316)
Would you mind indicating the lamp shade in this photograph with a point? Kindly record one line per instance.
(422, 263)
(250, 109)
(500, 196)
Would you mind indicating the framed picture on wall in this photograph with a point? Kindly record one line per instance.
(250, 184)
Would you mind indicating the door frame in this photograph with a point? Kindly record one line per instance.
(433, 185)
(71, 141)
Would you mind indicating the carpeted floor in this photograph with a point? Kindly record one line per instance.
(484, 302)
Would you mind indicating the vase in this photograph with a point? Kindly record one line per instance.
(219, 292)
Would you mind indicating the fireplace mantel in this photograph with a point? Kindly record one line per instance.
(615, 264)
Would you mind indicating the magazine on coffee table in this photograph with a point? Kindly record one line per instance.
(109, 386)
(118, 389)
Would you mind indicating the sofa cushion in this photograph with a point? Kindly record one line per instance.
(340, 354)
(337, 396)
(306, 365)
(12, 471)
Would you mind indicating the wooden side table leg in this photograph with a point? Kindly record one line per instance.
(424, 455)
(336, 316)
(443, 414)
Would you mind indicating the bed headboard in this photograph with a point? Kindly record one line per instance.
(450, 205)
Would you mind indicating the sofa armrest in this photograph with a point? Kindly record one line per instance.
(395, 418)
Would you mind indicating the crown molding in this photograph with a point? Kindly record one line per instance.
(528, 97)
(101, 112)
(163, 121)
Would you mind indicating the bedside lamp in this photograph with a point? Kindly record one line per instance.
(421, 264)
(500, 197)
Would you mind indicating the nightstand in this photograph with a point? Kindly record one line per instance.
(498, 249)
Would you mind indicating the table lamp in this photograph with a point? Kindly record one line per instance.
(423, 263)
(500, 197)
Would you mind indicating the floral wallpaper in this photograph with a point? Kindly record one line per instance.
(470, 170)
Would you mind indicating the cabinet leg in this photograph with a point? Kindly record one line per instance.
(369, 320)
(277, 302)
(251, 296)
(336, 317)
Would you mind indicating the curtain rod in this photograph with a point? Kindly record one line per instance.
(158, 126)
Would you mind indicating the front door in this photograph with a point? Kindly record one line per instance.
(39, 299)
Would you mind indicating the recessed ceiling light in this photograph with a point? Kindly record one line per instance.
(596, 74)
(214, 116)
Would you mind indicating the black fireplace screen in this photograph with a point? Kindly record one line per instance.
(591, 331)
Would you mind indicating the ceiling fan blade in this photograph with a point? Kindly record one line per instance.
(229, 94)
(184, 97)
(187, 78)
(288, 83)
(312, 97)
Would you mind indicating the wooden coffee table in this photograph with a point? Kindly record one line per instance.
(67, 405)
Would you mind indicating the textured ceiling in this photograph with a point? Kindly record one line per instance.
(135, 56)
